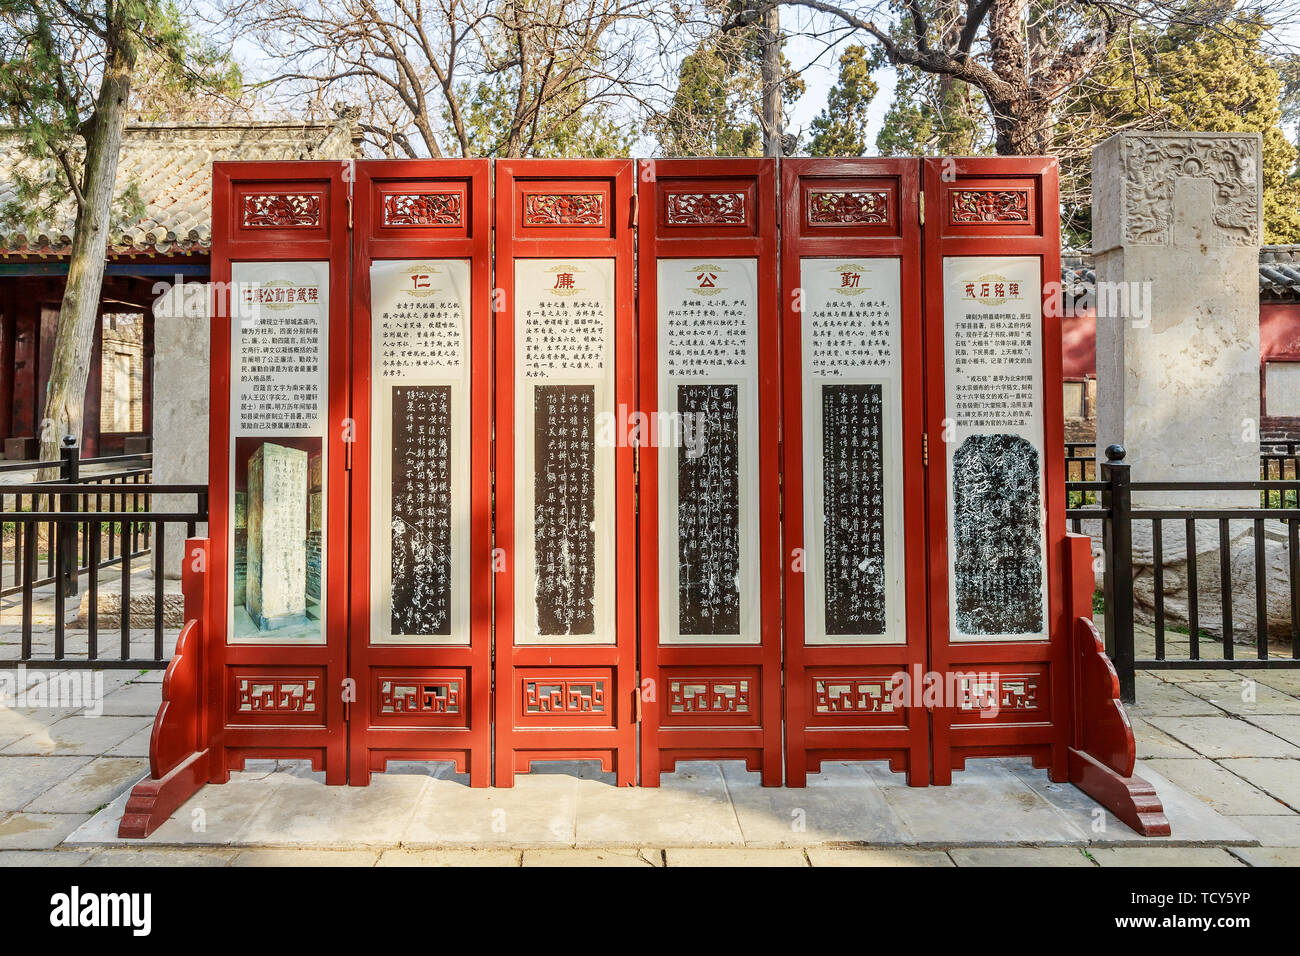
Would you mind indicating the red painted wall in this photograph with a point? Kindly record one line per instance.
(1279, 331)
(1279, 337)
(1079, 344)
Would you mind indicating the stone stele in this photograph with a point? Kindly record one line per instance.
(1177, 223)
(277, 536)
(180, 409)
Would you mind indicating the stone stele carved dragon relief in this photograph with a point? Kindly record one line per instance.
(1153, 163)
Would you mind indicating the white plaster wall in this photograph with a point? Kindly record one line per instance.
(180, 403)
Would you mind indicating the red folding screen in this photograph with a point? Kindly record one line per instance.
(999, 629)
(853, 464)
(501, 498)
(565, 562)
(707, 471)
(276, 659)
(421, 515)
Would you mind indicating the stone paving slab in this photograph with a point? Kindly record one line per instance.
(79, 734)
(303, 812)
(1234, 698)
(873, 856)
(38, 831)
(298, 857)
(43, 857)
(1225, 737)
(1275, 831)
(994, 802)
(136, 745)
(90, 787)
(1269, 856)
(1192, 821)
(134, 700)
(540, 810)
(691, 806)
(1199, 744)
(1224, 792)
(1172, 700)
(1165, 856)
(1020, 856)
(733, 856)
(1152, 742)
(986, 804)
(1287, 681)
(1286, 726)
(593, 857)
(1279, 778)
(403, 857)
(159, 856)
(840, 804)
(25, 778)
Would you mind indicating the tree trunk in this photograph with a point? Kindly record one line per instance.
(1022, 125)
(74, 338)
(771, 40)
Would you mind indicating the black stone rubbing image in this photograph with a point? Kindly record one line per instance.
(853, 509)
(421, 522)
(564, 508)
(998, 536)
(708, 513)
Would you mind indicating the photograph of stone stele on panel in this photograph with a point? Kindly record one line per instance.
(708, 512)
(421, 509)
(564, 508)
(997, 524)
(853, 508)
(277, 572)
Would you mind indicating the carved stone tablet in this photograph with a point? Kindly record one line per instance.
(421, 510)
(853, 509)
(998, 536)
(564, 508)
(708, 512)
(993, 355)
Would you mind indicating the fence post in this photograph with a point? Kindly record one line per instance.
(1117, 543)
(70, 473)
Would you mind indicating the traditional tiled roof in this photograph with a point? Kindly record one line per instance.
(1279, 273)
(170, 167)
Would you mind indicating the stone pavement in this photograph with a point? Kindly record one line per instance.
(1223, 751)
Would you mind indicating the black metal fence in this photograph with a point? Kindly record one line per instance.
(1080, 460)
(121, 489)
(1116, 517)
(56, 532)
(1278, 461)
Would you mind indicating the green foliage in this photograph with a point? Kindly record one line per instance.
(1212, 78)
(717, 109)
(933, 115)
(53, 57)
(569, 124)
(930, 114)
(841, 128)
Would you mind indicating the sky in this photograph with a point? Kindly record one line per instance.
(820, 72)
(820, 69)
(819, 66)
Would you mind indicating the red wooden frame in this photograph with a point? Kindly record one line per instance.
(461, 231)
(1043, 734)
(179, 755)
(312, 225)
(891, 232)
(722, 226)
(611, 736)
